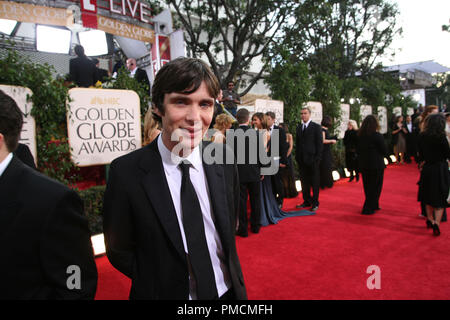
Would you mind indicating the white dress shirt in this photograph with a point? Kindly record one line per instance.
(305, 125)
(173, 175)
(4, 164)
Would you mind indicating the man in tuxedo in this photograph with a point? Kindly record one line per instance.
(137, 73)
(45, 241)
(249, 173)
(218, 109)
(309, 145)
(82, 70)
(411, 140)
(169, 215)
(277, 182)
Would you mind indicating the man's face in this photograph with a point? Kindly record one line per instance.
(230, 86)
(131, 64)
(270, 121)
(186, 118)
(306, 115)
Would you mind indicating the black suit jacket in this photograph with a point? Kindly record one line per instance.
(249, 171)
(83, 71)
(309, 144)
(141, 76)
(282, 143)
(142, 235)
(42, 233)
(24, 154)
(371, 150)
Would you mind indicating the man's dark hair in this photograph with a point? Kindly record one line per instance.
(79, 50)
(11, 121)
(271, 114)
(369, 126)
(242, 115)
(183, 75)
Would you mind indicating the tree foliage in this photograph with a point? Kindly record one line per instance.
(231, 34)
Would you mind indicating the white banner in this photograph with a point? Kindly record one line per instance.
(365, 111)
(345, 117)
(382, 119)
(28, 134)
(316, 111)
(262, 105)
(103, 125)
(397, 111)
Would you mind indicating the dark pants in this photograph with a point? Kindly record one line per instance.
(277, 187)
(310, 179)
(373, 184)
(252, 190)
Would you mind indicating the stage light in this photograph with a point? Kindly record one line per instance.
(298, 185)
(98, 243)
(336, 175)
(393, 158)
(54, 40)
(94, 42)
(386, 161)
(7, 26)
(347, 173)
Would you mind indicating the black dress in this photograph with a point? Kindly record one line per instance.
(350, 143)
(434, 180)
(326, 176)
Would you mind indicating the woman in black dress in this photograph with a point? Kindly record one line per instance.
(371, 150)
(434, 182)
(350, 142)
(287, 173)
(326, 175)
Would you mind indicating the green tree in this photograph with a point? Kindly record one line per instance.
(231, 34)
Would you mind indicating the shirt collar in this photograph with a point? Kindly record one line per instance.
(171, 160)
(307, 123)
(4, 164)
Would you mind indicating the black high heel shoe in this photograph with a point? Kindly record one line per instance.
(436, 230)
(429, 224)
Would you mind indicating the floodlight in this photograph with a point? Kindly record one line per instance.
(7, 26)
(54, 40)
(94, 42)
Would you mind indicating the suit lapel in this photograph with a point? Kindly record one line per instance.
(158, 192)
(10, 183)
(218, 194)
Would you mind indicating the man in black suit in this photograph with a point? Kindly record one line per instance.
(137, 73)
(411, 140)
(309, 145)
(45, 241)
(170, 215)
(249, 168)
(277, 182)
(82, 70)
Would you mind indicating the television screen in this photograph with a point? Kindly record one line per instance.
(7, 26)
(94, 42)
(55, 40)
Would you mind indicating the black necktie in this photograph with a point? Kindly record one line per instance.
(304, 128)
(195, 237)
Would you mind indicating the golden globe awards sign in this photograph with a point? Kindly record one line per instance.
(28, 133)
(103, 125)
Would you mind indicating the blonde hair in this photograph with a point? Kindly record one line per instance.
(223, 122)
(354, 124)
(151, 128)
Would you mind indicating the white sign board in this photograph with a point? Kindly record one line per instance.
(382, 119)
(397, 111)
(410, 111)
(28, 134)
(262, 105)
(103, 125)
(345, 117)
(316, 111)
(365, 111)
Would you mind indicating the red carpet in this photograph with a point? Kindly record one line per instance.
(326, 256)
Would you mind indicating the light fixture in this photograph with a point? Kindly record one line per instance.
(7, 26)
(98, 244)
(54, 40)
(346, 172)
(386, 161)
(94, 42)
(336, 175)
(298, 185)
(393, 158)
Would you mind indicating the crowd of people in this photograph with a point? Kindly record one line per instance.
(169, 217)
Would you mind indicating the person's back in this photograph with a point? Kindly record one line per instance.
(371, 150)
(82, 70)
(433, 149)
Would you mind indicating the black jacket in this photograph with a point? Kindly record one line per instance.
(371, 151)
(83, 71)
(247, 149)
(309, 144)
(142, 234)
(43, 232)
